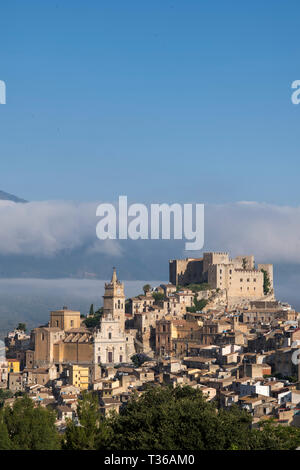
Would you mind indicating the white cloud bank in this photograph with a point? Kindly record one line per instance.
(45, 228)
(270, 232)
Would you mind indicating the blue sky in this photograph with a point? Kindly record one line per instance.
(185, 101)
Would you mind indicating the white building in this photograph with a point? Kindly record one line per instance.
(112, 343)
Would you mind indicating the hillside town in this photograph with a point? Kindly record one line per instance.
(216, 326)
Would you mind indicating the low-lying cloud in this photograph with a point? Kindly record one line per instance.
(269, 232)
(46, 229)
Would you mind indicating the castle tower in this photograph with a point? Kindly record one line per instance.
(114, 300)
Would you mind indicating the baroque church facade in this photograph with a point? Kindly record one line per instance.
(112, 343)
(66, 340)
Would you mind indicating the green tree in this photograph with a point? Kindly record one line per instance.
(93, 321)
(195, 287)
(5, 442)
(4, 394)
(158, 296)
(30, 427)
(91, 312)
(164, 418)
(146, 288)
(267, 284)
(22, 327)
(91, 432)
(138, 359)
(198, 305)
(275, 437)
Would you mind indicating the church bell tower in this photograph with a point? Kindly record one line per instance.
(114, 300)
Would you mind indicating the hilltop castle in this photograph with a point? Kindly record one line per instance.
(237, 276)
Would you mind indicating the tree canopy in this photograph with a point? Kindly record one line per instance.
(94, 319)
(26, 427)
(162, 418)
(22, 327)
(146, 288)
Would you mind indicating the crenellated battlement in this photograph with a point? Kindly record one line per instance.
(238, 276)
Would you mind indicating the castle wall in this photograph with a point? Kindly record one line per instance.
(236, 276)
(186, 271)
(246, 283)
(241, 262)
(214, 258)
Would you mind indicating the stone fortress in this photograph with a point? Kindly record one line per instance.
(235, 278)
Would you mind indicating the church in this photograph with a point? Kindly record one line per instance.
(112, 343)
(66, 340)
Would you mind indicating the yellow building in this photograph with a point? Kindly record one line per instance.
(79, 376)
(65, 319)
(13, 365)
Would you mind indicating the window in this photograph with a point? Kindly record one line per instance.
(72, 322)
(241, 280)
(109, 335)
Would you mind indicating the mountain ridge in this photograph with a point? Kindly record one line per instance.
(10, 197)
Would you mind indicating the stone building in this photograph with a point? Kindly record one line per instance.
(173, 336)
(237, 276)
(112, 343)
(65, 340)
(114, 300)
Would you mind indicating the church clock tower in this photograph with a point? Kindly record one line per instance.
(114, 300)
